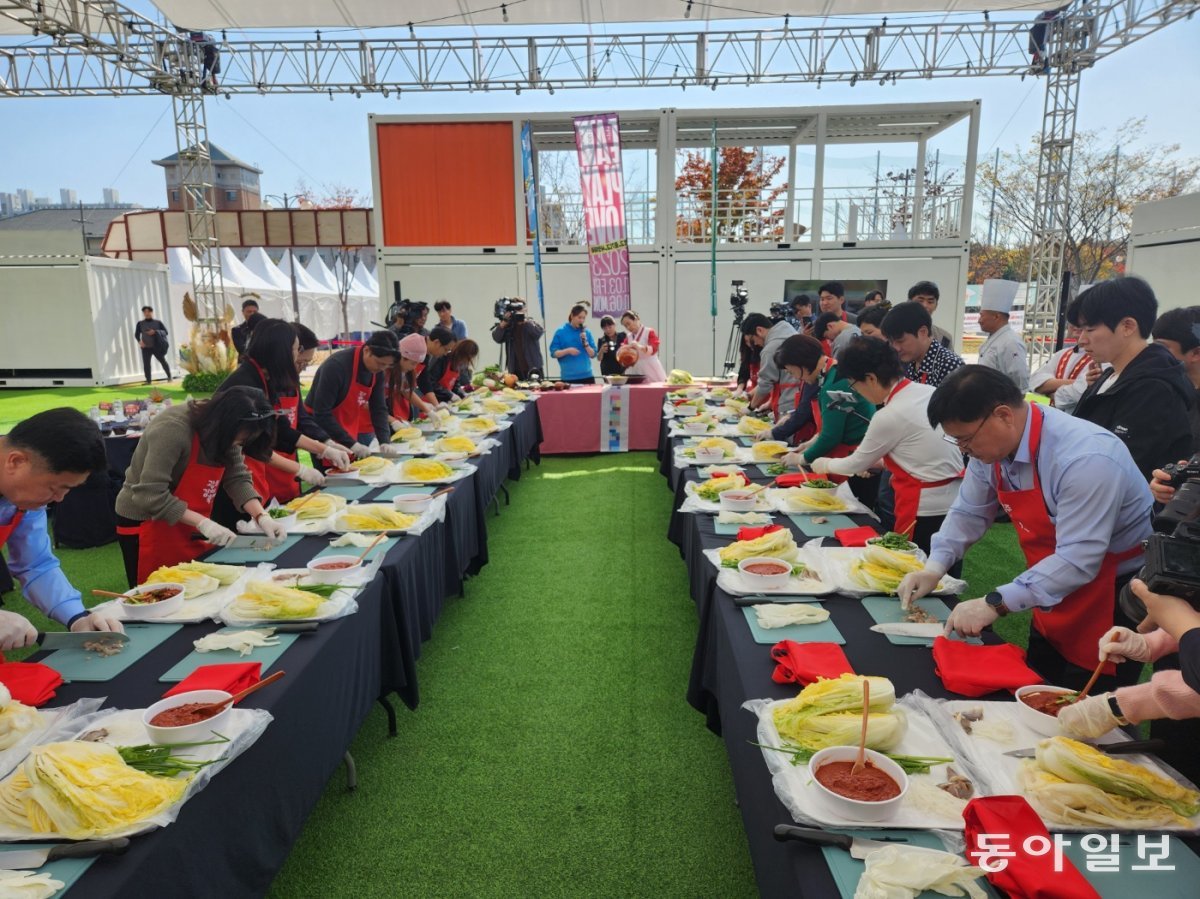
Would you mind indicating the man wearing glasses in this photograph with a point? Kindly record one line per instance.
(1080, 507)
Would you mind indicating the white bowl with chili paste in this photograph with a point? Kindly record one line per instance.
(412, 503)
(1038, 706)
(873, 795)
(176, 718)
(331, 569)
(706, 454)
(152, 601)
(696, 427)
(736, 500)
(765, 573)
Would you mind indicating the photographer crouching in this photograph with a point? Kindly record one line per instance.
(520, 337)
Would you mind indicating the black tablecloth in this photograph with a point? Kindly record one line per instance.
(232, 837)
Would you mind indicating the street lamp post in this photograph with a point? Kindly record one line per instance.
(285, 199)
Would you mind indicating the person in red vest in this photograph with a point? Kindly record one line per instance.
(188, 453)
(41, 459)
(404, 402)
(347, 394)
(451, 374)
(1080, 507)
(270, 364)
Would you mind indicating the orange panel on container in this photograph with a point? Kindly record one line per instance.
(447, 185)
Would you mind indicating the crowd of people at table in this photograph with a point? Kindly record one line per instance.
(940, 450)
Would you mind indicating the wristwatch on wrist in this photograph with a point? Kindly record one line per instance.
(1115, 708)
(996, 602)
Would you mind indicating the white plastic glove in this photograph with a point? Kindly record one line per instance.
(916, 584)
(361, 451)
(1090, 717)
(397, 424)
(274, 531)
(391, 449)
(794, 459)
(373, 446)
(214, 533)
(968, 619)
(312, 476)
(336, 456)
(97, 621)
(15, 631)
(1121, 644)
(820, 465)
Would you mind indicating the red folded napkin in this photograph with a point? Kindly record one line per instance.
(796, 478)
(803, 663)
(972, 670)
(29, 682)
(1036, 871)
(753, 533)
(855, 536)
(232, 678)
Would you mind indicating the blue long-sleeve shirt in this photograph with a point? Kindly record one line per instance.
(36, 568)
(579, 365)
(1097, 499)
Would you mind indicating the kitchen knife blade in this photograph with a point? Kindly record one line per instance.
(298, 627)
(1127, 747)
(927, 631)
(75, 640)
(31, 859)
(858, 847)
(247, 541)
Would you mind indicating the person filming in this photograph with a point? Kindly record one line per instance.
(519, 336)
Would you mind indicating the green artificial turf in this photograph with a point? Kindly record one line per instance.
(19, 404)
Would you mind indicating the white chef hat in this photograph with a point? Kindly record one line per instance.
(998, 295)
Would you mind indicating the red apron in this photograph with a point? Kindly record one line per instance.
(449, 377)
(353, 413)
(1074, 626)
(751, 377)
(6, 530)
(906, 486)
(169, 544)
(777, 392)
(270, 481)
(1061, 371)
(842, 450)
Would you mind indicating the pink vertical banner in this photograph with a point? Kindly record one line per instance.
(598, 142)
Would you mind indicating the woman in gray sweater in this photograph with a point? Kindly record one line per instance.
(186, 454)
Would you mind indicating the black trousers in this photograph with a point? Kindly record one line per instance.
(129, 540)
(160, 355)
(927, 526)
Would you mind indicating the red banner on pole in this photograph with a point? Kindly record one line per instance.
(598, 142)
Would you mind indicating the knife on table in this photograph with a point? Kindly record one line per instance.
(858, 847)
(296, 627)
(247, 541)
(1126, 747)
(926, 631)
(742, 601)
(31, 859)
(76, 639)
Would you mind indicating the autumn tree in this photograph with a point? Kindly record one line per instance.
(1110, 174)
(337, 196)
(746, 198)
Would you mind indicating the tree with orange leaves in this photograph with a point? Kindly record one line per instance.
(746, 197)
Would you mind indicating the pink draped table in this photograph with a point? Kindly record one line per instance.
(571, 418)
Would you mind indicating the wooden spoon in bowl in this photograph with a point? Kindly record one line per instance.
(218, 707)
(861, 761)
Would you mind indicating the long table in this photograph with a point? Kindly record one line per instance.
(231, 838)
(729, 668)
(571, 419)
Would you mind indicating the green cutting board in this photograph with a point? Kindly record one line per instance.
(763, 466)
(825, 632)
(349, 492)
(80, 665)
(380, 549)
(228, 555)
(886, 610)
(390, 493)
(1125, 882)
(730, 530)
(804, 521)
(66, 870)
(847, 870)
(267, 655)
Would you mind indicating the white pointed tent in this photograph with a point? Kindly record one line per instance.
(357, 287)
(260, 263)
(320, 273)
(366, 277)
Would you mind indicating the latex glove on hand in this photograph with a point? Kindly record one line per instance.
(311, 476)
(820, 465)
(97, 621)
(15, 631)
(397, 424)
(373, 446)
(336, 456)
(916, 584)
(214, 533)
(1121, 644)
(968, 619)
(1089, 718)
(763, 435)
(391, 449)
(794, 459)
(275, 531)
(360, 450)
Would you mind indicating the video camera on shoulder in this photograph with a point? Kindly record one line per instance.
(1172, 565)
(779, 311)
(739, 296)
(510, 309)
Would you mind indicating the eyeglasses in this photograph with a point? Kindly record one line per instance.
(964, 442)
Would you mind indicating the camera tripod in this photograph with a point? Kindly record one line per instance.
(733, 347)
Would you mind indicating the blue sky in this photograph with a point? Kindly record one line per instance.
(90, 144)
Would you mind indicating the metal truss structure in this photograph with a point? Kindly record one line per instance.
(101, 48)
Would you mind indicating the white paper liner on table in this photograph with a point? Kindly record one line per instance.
(694, 503)
(741, 456)
(354, 477)
(436, 512)
(996, 773)
(720, 430)
(720, 469)
(797, 791)
(340, 603)
(733, 581)
(243, 727)
(457, 474)
(54, 725)
(780, 496)
(201, 608)
(838, 559)
(304, 526)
